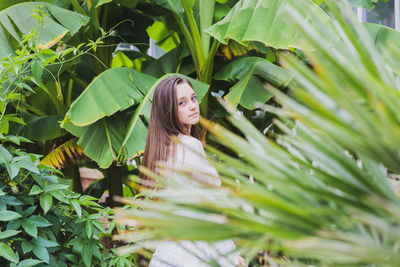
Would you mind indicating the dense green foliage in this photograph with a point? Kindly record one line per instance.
(42, 221)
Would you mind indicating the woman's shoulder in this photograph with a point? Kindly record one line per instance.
(190, 141)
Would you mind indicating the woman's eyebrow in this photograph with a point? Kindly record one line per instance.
(183, 97)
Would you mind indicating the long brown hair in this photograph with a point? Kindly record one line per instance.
(163, 125)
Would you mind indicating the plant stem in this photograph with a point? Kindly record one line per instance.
(206, 18)
(210, 61)
(208, 76)
(188, 39)
(196, 38)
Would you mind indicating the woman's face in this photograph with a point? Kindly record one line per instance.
(188, 107)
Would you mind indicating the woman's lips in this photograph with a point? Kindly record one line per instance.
(194, 114)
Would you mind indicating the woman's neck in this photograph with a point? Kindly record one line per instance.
(187, 130)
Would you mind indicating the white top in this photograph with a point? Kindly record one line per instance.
(190, 155)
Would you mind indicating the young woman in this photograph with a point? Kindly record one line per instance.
(175, 112)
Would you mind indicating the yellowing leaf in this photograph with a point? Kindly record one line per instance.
(56, 158)
(52, 42)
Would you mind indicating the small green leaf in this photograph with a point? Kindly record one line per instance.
(28, 165)
(4, 126)
(28, 263)
(39, 221)
(77, 207)
(16, 119)
(87, 255)
(5, 156)
(45, 202)
(48, 54)
(13, 139)
(28, 211)
(8, 215)
(40, 241)
(59, 195)
(41, 253)
(53, 187)
(30, 227)
(37, 69)
(35, 190)
(99, 225)
(89, 229)
(7, 253)
(8, 233)
(12, 169)
(26, 246)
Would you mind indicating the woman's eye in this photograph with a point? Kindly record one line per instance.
(194, 98)
(181, 103)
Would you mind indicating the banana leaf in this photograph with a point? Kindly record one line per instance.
(250, 91)
(267, 22)
(42, 128)
(101, 139)
(18, 20)
(113, 90)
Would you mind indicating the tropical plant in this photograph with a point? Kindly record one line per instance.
(42, 222)
(321, 193)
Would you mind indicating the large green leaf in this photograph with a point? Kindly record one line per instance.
(18, 20)
(101, 139)
(41, 128)
(265, 21)
(249, 91)
(113, 90)
(104, 132)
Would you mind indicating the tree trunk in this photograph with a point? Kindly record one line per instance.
(114, 184)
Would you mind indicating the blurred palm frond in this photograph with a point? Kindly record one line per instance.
(58, 157)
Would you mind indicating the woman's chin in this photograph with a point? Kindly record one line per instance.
(196, 120)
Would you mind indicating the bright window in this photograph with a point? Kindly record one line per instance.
(385, 13)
